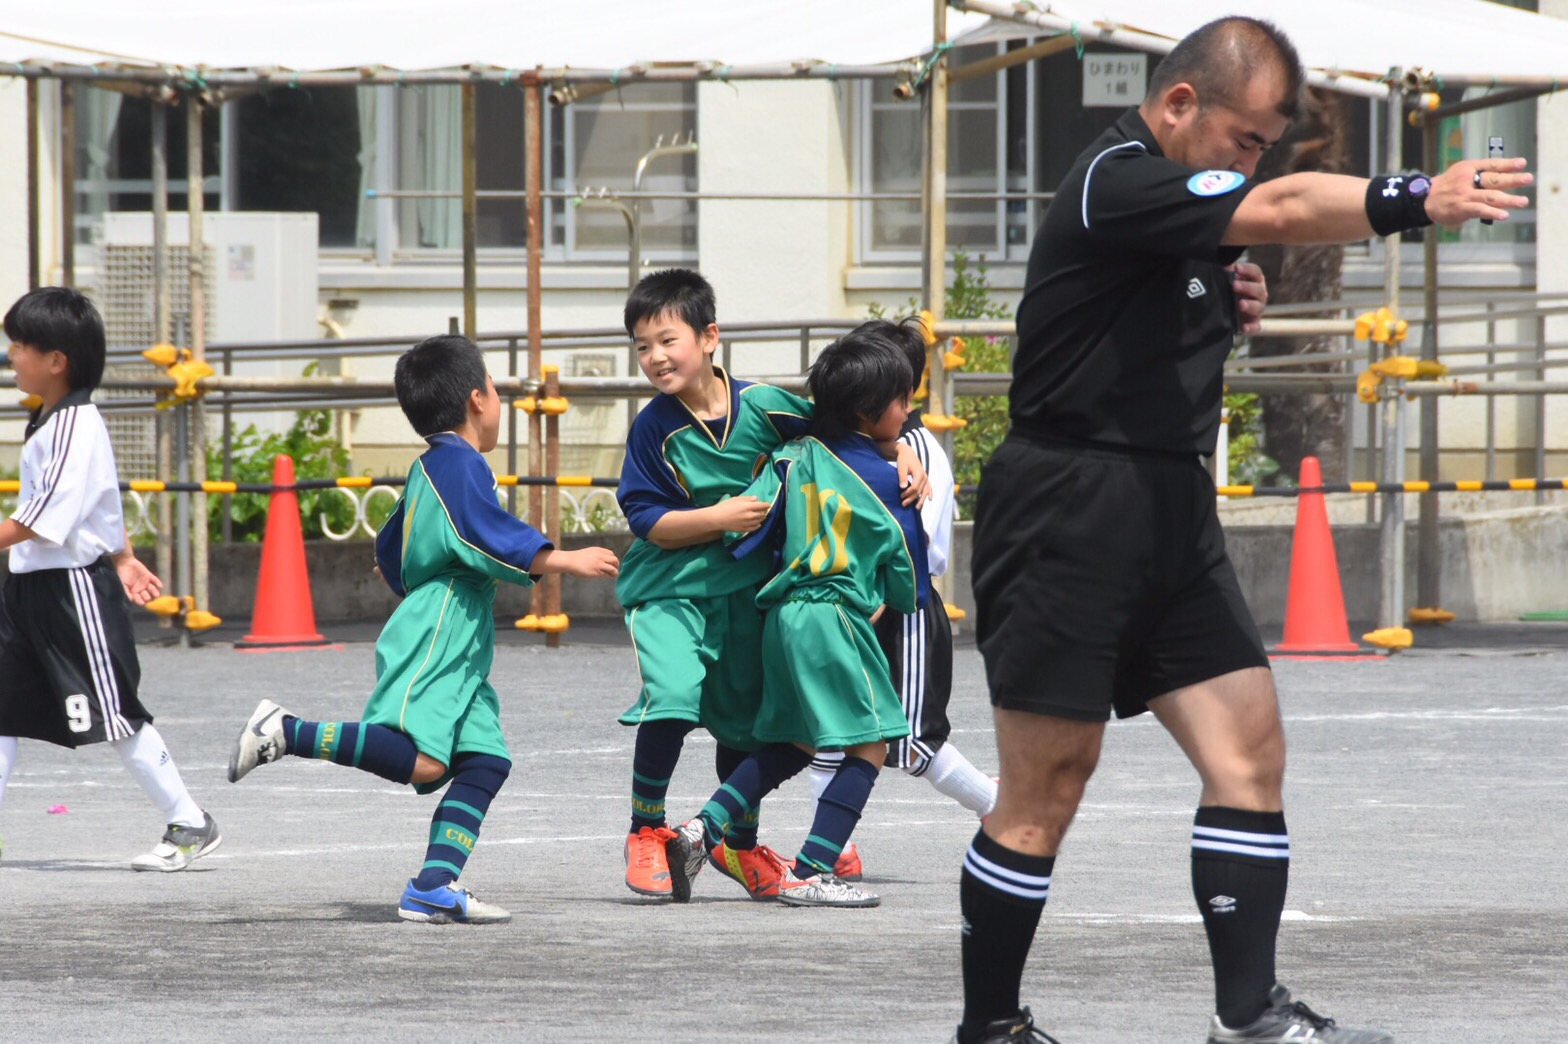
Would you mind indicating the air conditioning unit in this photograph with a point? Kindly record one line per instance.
(261, 285)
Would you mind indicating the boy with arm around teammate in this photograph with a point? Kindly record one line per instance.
(690, 607)
(849, 550)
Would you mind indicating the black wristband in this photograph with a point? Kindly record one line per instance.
(1397, 202)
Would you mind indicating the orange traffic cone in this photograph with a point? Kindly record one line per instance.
(284, 616)
(1315, 621)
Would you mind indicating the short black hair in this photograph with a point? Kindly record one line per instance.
(434, 380)
(680, 291)
(1221, 58)
(858, 376)
(61, 319)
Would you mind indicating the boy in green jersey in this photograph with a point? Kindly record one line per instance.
(433, 717)
(847, 549)
(690, 606)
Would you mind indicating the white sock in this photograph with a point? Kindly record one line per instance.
(824, 765)
(7, 759)
(952, 774)
(150, 763)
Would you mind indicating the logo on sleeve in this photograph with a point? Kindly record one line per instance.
(1214, 182)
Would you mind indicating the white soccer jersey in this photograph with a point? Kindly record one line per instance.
(70, 491)
(936, 514)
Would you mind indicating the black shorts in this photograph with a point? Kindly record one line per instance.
(1101, 580)
(919, 650)
(68, 667)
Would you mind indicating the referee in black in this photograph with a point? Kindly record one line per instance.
(1100, 575)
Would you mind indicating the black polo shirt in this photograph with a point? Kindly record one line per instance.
(1128, 314)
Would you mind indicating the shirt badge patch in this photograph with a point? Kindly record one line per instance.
(1195, 288)
(1214, 182)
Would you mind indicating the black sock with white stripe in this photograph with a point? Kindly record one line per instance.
(1240, 863)
(1001, 893)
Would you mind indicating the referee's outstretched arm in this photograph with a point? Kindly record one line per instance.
(1334, 208)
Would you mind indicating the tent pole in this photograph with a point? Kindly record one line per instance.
(533, 120)
(196, 204)
(934, 205)
(1428, 563)
(162, 333)
(1391, 607)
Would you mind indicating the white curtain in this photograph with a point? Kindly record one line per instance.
(432, 131)
(97, 113)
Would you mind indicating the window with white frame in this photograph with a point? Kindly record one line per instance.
(1018, 131)
(322, 150)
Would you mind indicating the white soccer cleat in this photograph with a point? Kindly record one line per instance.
(822, 890)
(261, 741)
(181, 846)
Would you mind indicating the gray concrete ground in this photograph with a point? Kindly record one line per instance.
(1427, 799)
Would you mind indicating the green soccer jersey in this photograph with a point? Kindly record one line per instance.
(446, 544)
(677, 461)
(841, 533)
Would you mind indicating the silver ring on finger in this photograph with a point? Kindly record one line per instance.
(1477, 179)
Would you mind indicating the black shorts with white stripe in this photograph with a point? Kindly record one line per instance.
(68, 666)
(919, 650)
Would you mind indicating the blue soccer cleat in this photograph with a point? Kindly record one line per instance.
(448, 904)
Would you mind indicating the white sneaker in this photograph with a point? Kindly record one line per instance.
(261, 741)
(822, 890)
(181, 846)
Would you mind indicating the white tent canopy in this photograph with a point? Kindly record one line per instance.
(1455, 41)
(320, 35)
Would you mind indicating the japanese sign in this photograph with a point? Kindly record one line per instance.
(1114, 80)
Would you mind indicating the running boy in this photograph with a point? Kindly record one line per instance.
(67, 651)
(690, 607)
(433, 717)
(849, 550)
(919, 647)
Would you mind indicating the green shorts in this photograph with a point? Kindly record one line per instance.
(700, 660)
(826, 679)
(432, 675)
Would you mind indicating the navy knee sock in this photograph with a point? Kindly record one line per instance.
(1001, 894)
(455, 826)
(1240, 866)
(742, 832)
(838, 811)
(657, 750)
(386, 752)
(740, 794)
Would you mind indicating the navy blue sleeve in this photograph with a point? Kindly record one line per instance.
(649, 486)
(882, 478)
(389, 550)
(504, 543)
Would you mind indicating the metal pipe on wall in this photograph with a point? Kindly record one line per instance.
(67, 184)
(33, 230)
(470, 160)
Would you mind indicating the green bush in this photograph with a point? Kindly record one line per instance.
(317, 455)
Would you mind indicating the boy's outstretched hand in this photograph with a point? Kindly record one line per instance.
(141, 584)
(587, 562)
